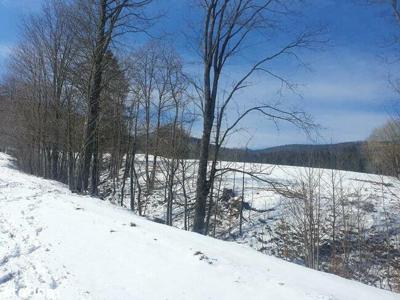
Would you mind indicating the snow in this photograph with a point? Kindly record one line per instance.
(259, 193)
(59, 245)
(369, 199)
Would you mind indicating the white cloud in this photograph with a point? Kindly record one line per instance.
(346, 92)
(338, 126)
(5, 50)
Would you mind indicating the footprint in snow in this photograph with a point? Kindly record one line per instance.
(33, 248)
(38, 230)
(53, 284)
(130, 224)
(204, 257)
(6, 278)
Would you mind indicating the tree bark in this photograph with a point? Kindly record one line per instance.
(91, 148)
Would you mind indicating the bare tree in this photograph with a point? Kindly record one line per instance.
(227, 29)
(40, 70)
(110, 19)
(383, 149)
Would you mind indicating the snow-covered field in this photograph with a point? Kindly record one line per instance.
(372, 198)
(58, 245)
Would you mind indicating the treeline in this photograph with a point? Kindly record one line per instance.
(350, 156)
(370, 156)
(78, 101)
(67, 100)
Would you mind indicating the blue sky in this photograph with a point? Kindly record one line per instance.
(345, 88)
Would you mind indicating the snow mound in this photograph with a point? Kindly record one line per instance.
(58, 245)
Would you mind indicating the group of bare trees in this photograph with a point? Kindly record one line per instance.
(75, 103)
(63, 80)
(346, 229)
(383, 148)
(160, 117)
(80, 114)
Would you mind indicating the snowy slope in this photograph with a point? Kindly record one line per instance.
(57, 245)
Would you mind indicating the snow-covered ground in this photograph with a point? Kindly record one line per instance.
(58, 245)
(365, 202)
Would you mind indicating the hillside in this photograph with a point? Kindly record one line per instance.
(350, 156)
(58, 245)
(351, 218)
(344, 156)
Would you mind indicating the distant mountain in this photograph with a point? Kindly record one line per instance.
(349, 156)
(310, 147)
(345, 156)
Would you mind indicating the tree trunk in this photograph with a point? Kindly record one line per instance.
(91, 144)
(202, 182)
(203, 187)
